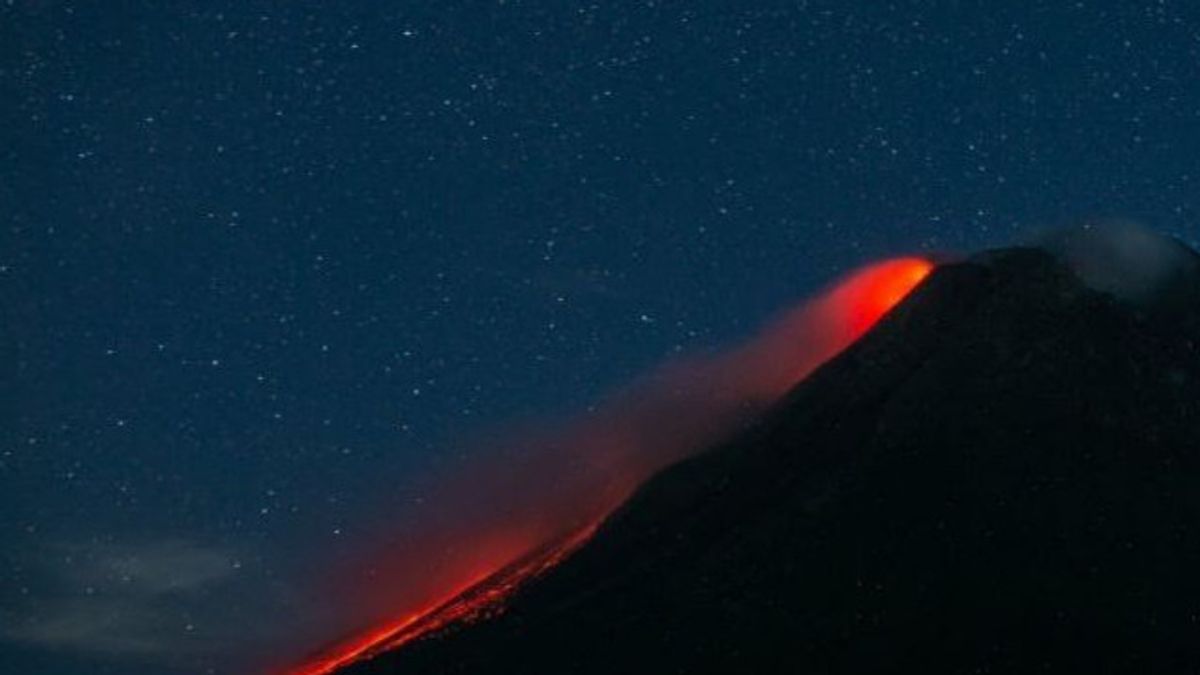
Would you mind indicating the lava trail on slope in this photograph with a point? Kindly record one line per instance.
(519, 519)
(479, 599)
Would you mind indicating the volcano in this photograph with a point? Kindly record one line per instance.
(1002, 475)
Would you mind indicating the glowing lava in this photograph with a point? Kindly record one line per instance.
(873, 291)
(679, 409)
(479, 598)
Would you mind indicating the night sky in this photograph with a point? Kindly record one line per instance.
(266, 266)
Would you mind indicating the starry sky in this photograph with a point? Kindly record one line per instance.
(263, 266)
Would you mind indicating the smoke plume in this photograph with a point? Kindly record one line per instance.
(1125, 259)
(543, 485)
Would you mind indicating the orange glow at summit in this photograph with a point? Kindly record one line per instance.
(874, 290)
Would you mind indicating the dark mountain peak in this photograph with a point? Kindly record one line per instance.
(1000, 476)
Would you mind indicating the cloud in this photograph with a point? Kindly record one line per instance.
(170, 601)
(1123, 258)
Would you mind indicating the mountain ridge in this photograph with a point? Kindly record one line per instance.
(979, 483)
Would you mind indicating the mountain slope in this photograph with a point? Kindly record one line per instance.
(1004, 474)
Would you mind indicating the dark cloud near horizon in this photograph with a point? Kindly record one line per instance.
(169, 603)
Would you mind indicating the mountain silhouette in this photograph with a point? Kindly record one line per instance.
(1003, 475)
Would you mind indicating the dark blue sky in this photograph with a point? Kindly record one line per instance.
(261, 263)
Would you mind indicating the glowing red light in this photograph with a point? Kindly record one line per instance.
(708, 395)
(479, 598)
(874, 290)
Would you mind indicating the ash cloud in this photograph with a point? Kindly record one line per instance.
(1125, 259)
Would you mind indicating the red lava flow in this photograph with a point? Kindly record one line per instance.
(760, 371)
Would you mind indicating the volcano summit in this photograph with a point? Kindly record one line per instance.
(1002, 475)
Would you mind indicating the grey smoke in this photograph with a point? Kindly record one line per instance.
(1125, 259)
